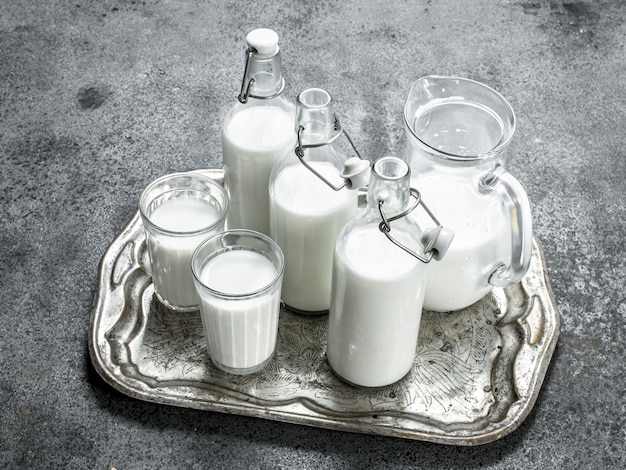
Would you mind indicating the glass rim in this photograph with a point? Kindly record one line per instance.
(236, 247)
(190, 174)
(398, 162)
(496, 149)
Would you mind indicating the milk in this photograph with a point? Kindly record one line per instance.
(307, 216)
(252, 140)
(170, 254)
(376, 309)
(481, 242)
(240, 330)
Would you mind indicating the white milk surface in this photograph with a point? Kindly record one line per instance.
(241, 333)
(307, 216)
(171, 256)
(375, 311)
(251, 143)
(481, 241)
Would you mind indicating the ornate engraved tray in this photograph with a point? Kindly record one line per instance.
(476, 376)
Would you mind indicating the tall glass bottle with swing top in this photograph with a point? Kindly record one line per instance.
(313, 193)
(379, 279)
(256, 132)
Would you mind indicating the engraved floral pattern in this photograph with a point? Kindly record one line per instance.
(450, 378)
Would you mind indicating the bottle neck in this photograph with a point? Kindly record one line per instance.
(266, 73)
(391, 183)
(315, 117)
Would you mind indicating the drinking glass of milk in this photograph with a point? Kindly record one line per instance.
(378, 281)
(179, 211)
(457, 131)
(238, 276)
(257, 131)
(313, 193)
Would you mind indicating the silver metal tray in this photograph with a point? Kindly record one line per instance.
(476, 375)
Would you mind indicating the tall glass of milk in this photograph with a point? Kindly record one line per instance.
(238, 276)
(179, 211)
(310, 202)
(457, 131)
(257, 131)
(378, 283)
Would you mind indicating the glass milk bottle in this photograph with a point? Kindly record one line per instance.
(256, 132)
(457, 132)
(313, 193)
(379, 278)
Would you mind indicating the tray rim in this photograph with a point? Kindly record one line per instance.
(288, 412)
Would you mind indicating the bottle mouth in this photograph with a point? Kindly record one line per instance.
(391, 168)
(314, 98)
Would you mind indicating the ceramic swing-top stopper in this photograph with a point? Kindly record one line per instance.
(356, 172)
(264, 41)
(438, 241)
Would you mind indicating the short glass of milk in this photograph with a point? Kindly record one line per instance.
(238, 276)
(179, 211)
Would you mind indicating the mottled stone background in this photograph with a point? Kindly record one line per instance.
(97, 98)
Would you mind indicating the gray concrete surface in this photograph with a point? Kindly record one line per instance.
(97, 98)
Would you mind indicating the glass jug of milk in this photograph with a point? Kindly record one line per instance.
(378, 282)
(457, 131)
(256, 132)
(313, 193)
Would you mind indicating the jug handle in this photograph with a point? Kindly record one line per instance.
(517, 208)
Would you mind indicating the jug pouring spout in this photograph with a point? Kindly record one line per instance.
(458, 119)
